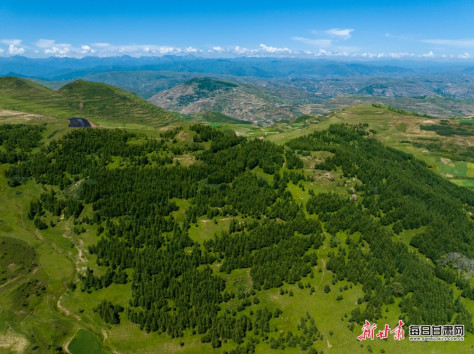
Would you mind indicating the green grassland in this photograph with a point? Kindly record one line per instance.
(94, 101)
(397, 129)
(41, 312)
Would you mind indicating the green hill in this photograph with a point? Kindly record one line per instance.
(17, 85)
(81, 98)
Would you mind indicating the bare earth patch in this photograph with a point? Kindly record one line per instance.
(7, 115)
(446, 161)
(13, 341)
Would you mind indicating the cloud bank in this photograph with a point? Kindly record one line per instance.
(325, 43)
(14, 46)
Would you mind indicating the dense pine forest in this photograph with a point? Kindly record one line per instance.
(143, 196)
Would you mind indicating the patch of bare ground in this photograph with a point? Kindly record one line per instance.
(446, 161)
(13, 342)
(10, 116)
(64, 310)
(11, 113)
(185, 160)
(323, 273)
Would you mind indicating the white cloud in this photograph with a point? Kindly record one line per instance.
(14, 47)
(327, 38)
(15, 42)
(14, 50)
(329, 45)
(462, 43)
(315, 42)
(400, 55)
(343, 33)
(192, 50)
(136, 50)
(85, 49)
(430, 54)
(101, 45)
(45, 43)
(50, 47)
(270, 49)
(241, 51)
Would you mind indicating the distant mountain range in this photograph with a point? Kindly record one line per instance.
(70, 68)
(56, 69)
(264, 90)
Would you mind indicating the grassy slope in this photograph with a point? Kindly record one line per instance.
(33, 318)
(400, 131)
(98, 102)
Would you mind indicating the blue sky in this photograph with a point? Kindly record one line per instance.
(359, 29)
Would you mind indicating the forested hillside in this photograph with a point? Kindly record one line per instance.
(210, 240)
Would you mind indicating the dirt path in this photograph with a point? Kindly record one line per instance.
(79, 262)
(65, 310)
(66, 346)
(323, 273)
(317, 287)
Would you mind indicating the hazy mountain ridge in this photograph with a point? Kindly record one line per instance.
(69, 68)
(268, 89)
